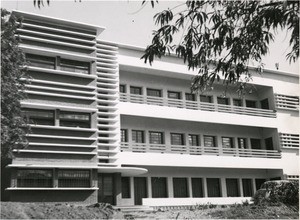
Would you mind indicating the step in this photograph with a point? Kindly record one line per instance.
(134, 208)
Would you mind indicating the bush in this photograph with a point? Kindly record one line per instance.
(278, 192)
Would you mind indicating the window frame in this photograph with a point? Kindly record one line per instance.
(36, 182)
(239, 143)
(64, 182)
(154, 90)
(182, 139)
(125, 135)
(26, 114)
(192, 95)
(237, 100)
(162, 138)
(70, 120)
(190, 141)
(133, 88)
(123, 86)
(210, 98)
(79, 66)
(221, 99)
(231, 142)
(137, 133)
(213, 138)
(177, 95)
(247, 101)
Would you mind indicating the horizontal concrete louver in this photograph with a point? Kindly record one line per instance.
(287, 102)
(107, 101)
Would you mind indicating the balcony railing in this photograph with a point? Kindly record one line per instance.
(199, 150)
(194, 105)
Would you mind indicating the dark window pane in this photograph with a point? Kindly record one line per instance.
(204, 98)
(250, 104)
(135, 90)
(190, 97)
(156, 137)
(197, 187)
(264, 104)
(159, 187)
(255, 143)
(227, 142)
(125, 187)
(232, 188)
(269, 143)
(75, 119)
(75, 66)
(38, 116)
(122, 88)
(154, 92)
(73, 178)
(247, 187)
(242, 143)
(41, 61)
(259, 182)
(138, 136)
(223, 101)
(124, 137)
(34, 178)
(177, 139)
(209, 141)
(193, 140)
(213, 187)
(180, 187)
(173, 95)
(237, 102)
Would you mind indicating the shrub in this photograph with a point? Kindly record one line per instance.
(278, 192)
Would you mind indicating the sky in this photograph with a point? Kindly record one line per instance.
(128, 22)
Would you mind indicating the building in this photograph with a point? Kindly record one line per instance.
(108, 128)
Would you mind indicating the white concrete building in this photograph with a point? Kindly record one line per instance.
(109, 128)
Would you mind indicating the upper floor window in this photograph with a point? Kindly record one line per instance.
(75, 119)
(41, 61)
(39, 117)
(255, 143)
(154, 92)
(177, 139)
(251, 104)
(204, 98)
(237, 102)
(174, 95)
(124, 135)
(193, 140)
(242, 143)
(75, 66)
(34, 178)
(223, 101)
(264, 104)
(209, 141)
(156, 137)
(138, 136)
(122, 88)
(227, 142)
(190, 97)
(135, 90)
(74, 178)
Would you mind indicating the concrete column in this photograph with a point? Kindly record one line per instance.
(190, 190)
(132, 188)
(204, 187)
(223, 187)
(248, 143)
(55, 178)
(240, 184)
(253, 186)
(56, 117)
(144, 91)
(118, 188)
(170, 187)
(219, 143)
(149, 186)
(57, 63)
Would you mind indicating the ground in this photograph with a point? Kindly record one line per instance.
(10, 210)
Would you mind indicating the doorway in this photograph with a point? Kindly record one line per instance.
(106, 188)
(140, 190)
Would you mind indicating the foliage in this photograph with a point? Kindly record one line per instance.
(277, 192)
(222, 37)
(13, 125)
(40, 3)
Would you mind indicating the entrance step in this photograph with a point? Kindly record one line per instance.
(135, 208)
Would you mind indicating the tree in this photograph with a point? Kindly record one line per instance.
(221, 37)
(13, 125)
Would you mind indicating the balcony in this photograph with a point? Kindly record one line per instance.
(199, 150)
(196, 105)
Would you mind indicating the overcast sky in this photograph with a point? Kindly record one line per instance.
(128, 22)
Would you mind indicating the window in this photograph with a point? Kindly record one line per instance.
(255, 143)
(135, 90)
(209, 141)
(242, 143)
(223, 101)
(204, 98)
(213, 187)
(264, 104)
(138, 136)
(34, 178)
(41, 61)
(156, 137)
(125, 187)
(232, 187)
(75, 119)
(197, 187)
(73, 178)
(193, 140)
(180, 187)
(227, 142)
(124, 135)
(174, 95)
(177, 139)
(247, 187)
(269, 143)
(259, 182)
(237, 102)
(122, 88)
(154, 92)
(190, 97)
(75, 66)
(159, 187)
(250, 104)
(38, 116)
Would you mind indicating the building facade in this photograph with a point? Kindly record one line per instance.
(105, 127)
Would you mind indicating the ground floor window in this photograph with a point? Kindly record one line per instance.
(180, 187)
(213, 187)
(159, 187)
(73, 178)
(259, 182)
(34, 178)
(247, 187)
(197, 187)
(125, 187)
(232, 187)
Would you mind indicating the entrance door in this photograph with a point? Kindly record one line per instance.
(140, 190)
(106, 186)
